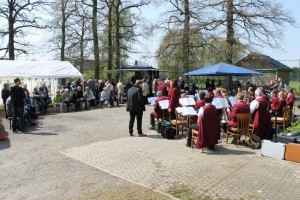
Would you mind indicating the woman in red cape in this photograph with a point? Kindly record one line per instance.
(209, 127)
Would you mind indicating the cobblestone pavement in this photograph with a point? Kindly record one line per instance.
(108, 164)
(167, 165)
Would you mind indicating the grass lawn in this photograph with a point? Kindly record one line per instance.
(296, 85)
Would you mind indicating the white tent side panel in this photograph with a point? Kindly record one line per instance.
(38, 69)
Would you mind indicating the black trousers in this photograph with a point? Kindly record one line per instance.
(192, 127)
(139, 117)
(151, 119)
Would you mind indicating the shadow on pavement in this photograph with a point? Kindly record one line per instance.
(4, 144)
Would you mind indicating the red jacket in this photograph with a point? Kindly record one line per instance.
(199, 104)
(174, 99)
(279, 108)
(274, 103)
(240, 107)
(158, 113)
(164, 88)
(290, 100)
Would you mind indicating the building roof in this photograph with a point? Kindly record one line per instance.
(270, 60)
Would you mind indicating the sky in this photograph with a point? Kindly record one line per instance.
(289, 54)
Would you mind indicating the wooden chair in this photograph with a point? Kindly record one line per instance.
(282, 121)
(243, 121)
(180, 121)
(194, 136)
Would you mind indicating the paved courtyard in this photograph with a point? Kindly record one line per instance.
(89, 155)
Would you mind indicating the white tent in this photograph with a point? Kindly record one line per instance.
(39, 69)
(33, 73)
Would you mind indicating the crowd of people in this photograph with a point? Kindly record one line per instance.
(23, 107)
(210, 121)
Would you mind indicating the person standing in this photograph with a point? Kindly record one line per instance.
(174, 95)
(145, 89)
(17, 97)
(279, 83)
(136, 107)
(5, 93)
(120, 92)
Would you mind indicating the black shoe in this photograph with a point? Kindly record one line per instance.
(211, 147)
(130, 134)
(24, 131)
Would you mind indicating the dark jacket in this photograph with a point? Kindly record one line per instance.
(17, 96)
(135, 102)
(5, 93)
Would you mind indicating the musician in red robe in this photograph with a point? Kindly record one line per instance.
(174, 95)
(201, 102)
(209, 126)
(290, 99)
(158, 113)
(240, 107)
(194, 119)
(262, 125)
(163, 87)
(280, 104)
(274, 100)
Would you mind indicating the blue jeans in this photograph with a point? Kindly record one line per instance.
(18, 119)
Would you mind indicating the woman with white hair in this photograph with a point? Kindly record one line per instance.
(259, 108)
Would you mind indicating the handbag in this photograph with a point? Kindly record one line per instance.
(253, 141)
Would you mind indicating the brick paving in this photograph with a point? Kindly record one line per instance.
(227, 173)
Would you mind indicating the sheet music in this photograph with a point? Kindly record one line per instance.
(186, 111)
(152, 100)
(179, 109)
(232, 100)
(220, 103)
(164, 104)
(187, 101)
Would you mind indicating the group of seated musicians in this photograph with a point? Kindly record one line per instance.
(257, 102)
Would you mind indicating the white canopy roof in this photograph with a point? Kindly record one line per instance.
(47, 69)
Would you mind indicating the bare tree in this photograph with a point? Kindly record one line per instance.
(21, 16)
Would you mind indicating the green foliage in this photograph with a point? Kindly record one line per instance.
(203, 51)
(295, 126)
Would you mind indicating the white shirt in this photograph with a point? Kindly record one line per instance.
(254, 105)
(201, 111)
(120, 88)
(145, 88)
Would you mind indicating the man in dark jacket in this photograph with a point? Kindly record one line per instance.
(136, 106)
(17, 97)
(5, 93)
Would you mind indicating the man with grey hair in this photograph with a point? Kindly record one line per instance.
(259, 109)
(158, 113)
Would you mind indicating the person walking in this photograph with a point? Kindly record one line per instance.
(120, 89)
(17, 97)
(136, 107)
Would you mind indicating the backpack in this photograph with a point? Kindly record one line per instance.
(253, 141)
(167, 131)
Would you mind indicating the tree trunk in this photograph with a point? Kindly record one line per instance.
(118, 36)
(186, 36)
(110, 44)
(96, 40)
(81, 46)
(63, 30)
(11, 42)
(230, 32)
(229, 39)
